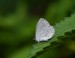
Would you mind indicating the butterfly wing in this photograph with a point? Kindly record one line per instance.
(43, 30)
(41, 23)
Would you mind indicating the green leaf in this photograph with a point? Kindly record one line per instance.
(64, 26)
(38, 47)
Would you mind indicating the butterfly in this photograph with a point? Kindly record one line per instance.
(44, 30)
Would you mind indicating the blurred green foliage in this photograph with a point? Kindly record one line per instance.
(18, 19)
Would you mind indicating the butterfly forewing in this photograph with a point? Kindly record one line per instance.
(41, 23)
